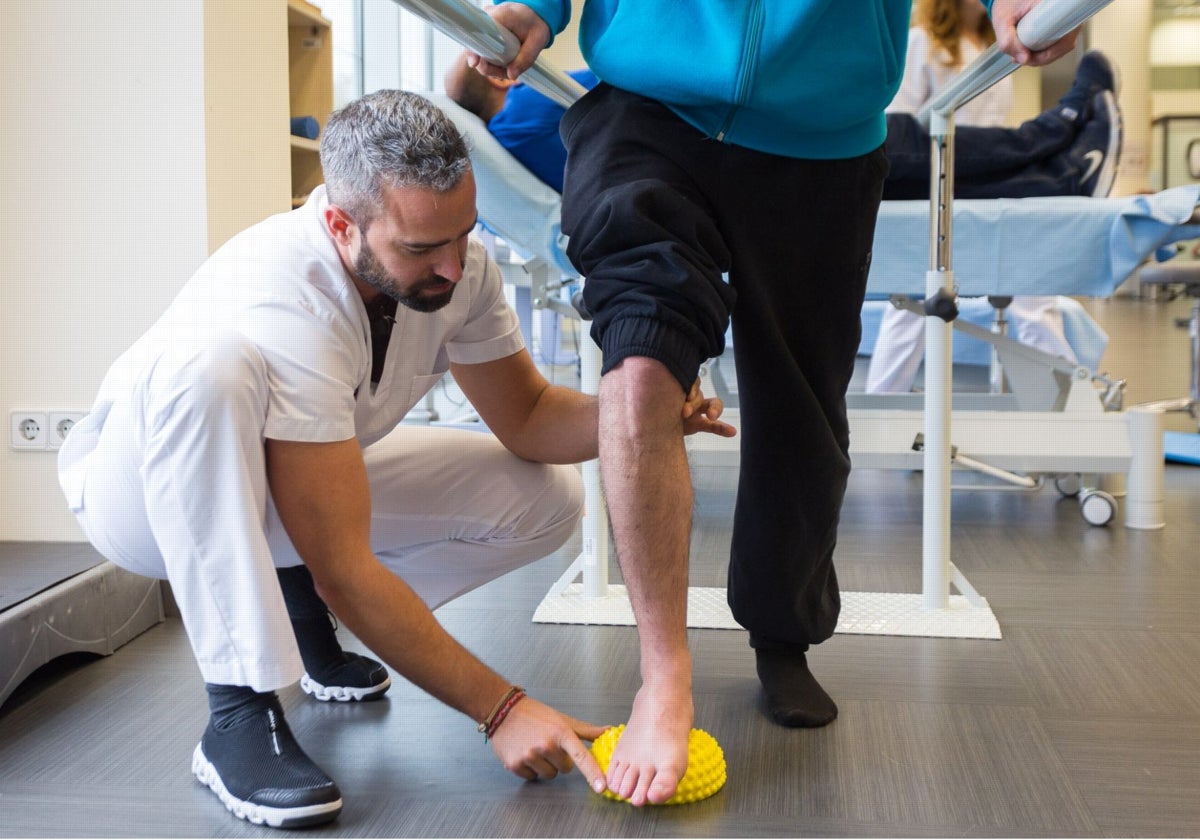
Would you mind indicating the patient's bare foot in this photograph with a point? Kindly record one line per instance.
(652, 755)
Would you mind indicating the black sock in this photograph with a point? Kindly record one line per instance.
(300, 593)
(794, 697)
(311, 621)
(229, 705)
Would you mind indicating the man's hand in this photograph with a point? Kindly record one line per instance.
(531, 31)
(1005, 16)
(323, 497)
(538, 742)
(700, 414)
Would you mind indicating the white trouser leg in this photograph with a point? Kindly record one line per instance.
(176, 488)
(452, 510)
(899, 349)
(1038, 322)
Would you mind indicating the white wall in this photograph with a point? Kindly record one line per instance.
(102, 209)
(1122, 31)
(1027, 95)
(564, 53)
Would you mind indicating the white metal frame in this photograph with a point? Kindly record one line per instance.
(1043, 25)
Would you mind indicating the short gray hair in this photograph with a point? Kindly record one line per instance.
(389, 137)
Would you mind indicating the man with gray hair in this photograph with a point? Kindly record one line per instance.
(254, 428)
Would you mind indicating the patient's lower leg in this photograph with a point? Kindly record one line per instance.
(648, 487)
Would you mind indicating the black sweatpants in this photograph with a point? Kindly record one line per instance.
(656, 213)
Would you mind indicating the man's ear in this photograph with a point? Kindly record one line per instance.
(502, 84)
(340, 225)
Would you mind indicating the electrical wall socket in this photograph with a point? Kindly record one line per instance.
(27, 429)
(60, 423)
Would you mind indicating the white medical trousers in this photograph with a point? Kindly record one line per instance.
(900, 347)
(170, 482)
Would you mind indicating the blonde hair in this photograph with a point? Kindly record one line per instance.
(943, 20)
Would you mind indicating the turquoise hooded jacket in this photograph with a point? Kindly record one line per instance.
(800, 78)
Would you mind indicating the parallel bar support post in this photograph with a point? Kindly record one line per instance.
(595, 519)
(592, 563)
(1145, 496)
(940, 277)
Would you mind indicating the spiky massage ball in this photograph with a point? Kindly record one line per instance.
(706, 765)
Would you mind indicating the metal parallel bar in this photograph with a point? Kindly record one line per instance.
(472, 28)
(1045, 24)
(981, 74)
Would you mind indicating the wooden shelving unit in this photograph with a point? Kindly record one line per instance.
(310, 89)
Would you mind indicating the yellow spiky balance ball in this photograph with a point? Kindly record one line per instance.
(706, 765)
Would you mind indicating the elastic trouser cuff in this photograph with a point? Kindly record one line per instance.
(651, 339)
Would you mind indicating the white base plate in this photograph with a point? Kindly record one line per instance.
(863, 613)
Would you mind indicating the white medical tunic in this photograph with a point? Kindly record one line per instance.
(281, 284)
(270, 339)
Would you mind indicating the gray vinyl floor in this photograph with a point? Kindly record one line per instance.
(1083, 721)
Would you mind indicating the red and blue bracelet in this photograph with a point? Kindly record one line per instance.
(500, 711)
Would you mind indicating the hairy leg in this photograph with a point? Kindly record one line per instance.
(648, 487)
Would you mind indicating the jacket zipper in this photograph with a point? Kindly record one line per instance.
(749, 59)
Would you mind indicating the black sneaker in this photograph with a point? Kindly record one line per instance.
(1097, 150)
(262, 775)
(1093, 75)
(356, 677)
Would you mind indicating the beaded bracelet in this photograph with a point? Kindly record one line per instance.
(500, 711)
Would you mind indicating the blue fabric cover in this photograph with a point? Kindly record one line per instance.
(1032, 246)
(1182, 447)
(527, 126)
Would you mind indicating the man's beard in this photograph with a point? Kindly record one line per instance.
(371, 271)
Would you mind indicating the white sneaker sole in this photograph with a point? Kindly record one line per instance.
(203, 770)
(341, 694)
(1112, 155)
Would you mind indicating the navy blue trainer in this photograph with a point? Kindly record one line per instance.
(261, 774)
